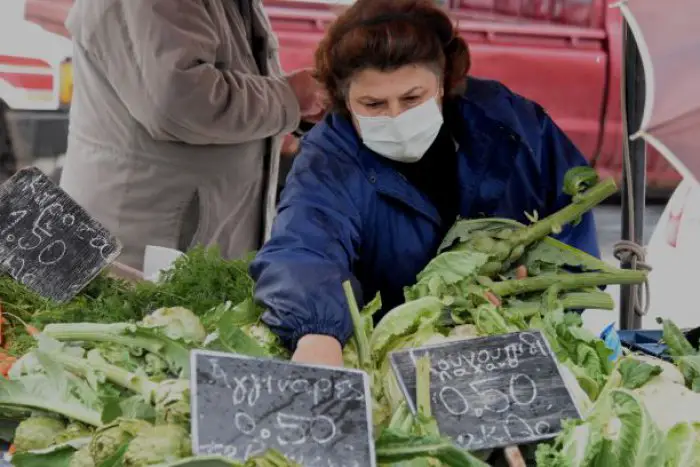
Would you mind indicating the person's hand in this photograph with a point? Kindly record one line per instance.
(313, 99)
(290, 146)
(316, 349)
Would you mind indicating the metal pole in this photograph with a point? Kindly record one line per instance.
(634, 173)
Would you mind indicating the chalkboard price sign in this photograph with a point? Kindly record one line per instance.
(493, 391)
(47, 241)
(316, 416)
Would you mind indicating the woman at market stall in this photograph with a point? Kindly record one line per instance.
(410, 146)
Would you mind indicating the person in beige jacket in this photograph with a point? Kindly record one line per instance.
(177, 119)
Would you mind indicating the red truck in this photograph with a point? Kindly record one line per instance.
(564, 54)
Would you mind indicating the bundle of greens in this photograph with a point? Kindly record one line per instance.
(198, 281)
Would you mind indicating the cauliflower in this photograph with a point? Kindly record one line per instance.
(177, 323)
(665, 395)
(161, 444)
(669, 403)
(110, 438)
(37, 433)
(82, 458)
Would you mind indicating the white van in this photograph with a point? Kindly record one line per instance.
(36, 85)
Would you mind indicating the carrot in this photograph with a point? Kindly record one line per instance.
(6, 362)
(491, 297)
(520, 273)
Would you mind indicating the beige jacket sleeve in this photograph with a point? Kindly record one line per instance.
(160, 56)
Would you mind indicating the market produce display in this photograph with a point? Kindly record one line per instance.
(102, 380)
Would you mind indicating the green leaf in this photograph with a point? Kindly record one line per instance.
(58, 457)
(689, 365)
(465, 228)
(402, 321)
(453, 267)
(393, 446)
(115, 407)
(579, 179)
(234, 340)
(245, 313)
(116, 459)
(636, 373)
(678, 345)
(50, 393)
(445, 272)
(682, 445)
(175, 353)
(578, 445)
(55, 456)
(639, 442)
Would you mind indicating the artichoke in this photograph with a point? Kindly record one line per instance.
(111, 438)
(161, 444)
(74, 430)
(172, 401)
(82, 458)
(37, 433)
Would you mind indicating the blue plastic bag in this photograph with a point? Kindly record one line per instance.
(612, 341)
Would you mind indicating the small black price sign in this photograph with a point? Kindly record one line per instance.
(244, 406)
(47, 241)
(493, 391)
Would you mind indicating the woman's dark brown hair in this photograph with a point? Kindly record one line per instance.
(387, 35)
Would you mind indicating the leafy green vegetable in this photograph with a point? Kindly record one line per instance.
(443, 274)
(199, 281)
(636, 373)
(678, 345)
(403, 321)
(55, 456)
(392, 447)
(682, 445)
(619, 431)
(170, 397)
(51, 393)
(177, 323)
(505, 246)
(690, 367)
(175, 353)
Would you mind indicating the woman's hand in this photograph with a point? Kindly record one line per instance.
(316, 349)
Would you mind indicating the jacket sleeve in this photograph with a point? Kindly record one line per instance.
(160, 58)
(315, 238)
(559, 155)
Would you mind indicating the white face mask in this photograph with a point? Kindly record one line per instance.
(406, 137)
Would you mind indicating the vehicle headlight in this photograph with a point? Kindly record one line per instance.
(65, 92)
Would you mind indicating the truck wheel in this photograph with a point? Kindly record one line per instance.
(8, 164)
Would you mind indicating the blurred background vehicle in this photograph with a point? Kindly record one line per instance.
(35, 91)
(565, 54)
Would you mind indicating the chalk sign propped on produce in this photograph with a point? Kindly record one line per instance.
(491, 392)
(316, 416)
(47, 241)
